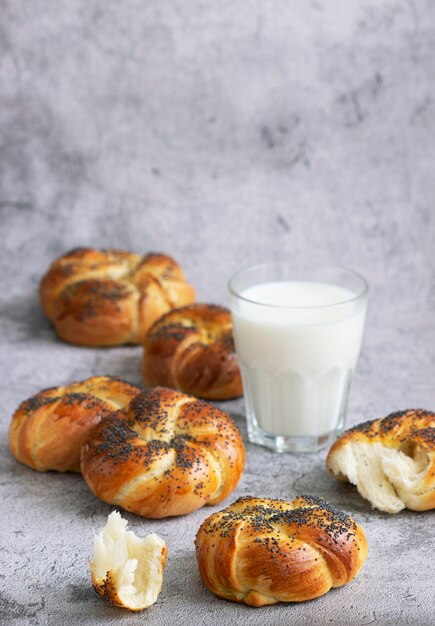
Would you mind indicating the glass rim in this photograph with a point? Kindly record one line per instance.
(364, 291)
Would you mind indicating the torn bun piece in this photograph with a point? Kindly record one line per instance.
(391, 461)
(127, 570)
(48, 430)
(261, 551)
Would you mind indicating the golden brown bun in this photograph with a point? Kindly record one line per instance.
(192, 349)
(110, 297)
(390, 460)
(167, 454)
(261, 551)
(48, 430)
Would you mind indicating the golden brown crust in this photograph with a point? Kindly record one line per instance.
(107, 589)
(410, 431)
(415, 425)
(48, 430)
(192, 349)
(261, 551)
(167, 454)
(110, 297)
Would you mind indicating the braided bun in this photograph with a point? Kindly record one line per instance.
(192, 349)
(48, 430)
(167, 454)
(261, 551)
(391, 460)
(110, 297)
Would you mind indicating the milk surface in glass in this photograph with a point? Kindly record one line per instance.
(297, 353)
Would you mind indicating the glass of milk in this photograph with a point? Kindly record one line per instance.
(298, 334)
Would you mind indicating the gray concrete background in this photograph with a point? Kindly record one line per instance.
(225, 134)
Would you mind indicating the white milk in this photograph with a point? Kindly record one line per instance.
(297, 363)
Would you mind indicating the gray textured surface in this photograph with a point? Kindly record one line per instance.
(224, 133)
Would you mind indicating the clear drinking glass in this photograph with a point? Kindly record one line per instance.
(298, 334)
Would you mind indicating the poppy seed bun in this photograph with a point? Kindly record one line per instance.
(261, 551)
(192, 349)
(390, 460)
(110, 297)
(166, 454)
(48, 430)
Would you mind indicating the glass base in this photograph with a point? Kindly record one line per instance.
(285, 443)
